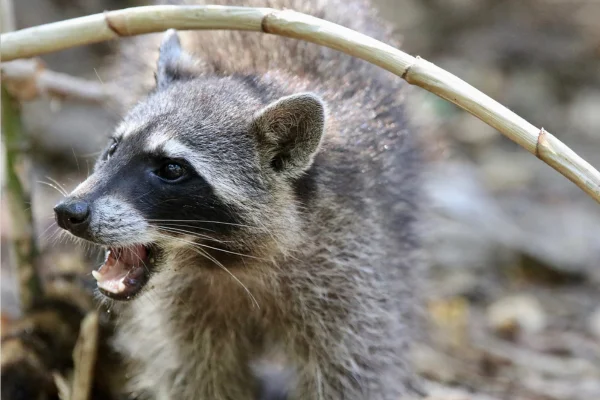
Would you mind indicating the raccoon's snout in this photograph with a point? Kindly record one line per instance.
(73, 215)
(113, 223)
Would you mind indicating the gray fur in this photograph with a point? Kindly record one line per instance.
(116, 221)
(173, 62)
(330, 245)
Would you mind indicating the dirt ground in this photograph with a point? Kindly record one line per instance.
(514, 248)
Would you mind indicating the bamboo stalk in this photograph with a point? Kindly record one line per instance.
(24, 250)
(415, 70)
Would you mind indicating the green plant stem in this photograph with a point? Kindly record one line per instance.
(23, 245)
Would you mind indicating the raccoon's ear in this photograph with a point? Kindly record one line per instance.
(173, 63)
(289, 132)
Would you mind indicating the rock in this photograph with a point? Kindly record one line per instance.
(516, 315)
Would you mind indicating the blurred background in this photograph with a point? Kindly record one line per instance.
(514, 247)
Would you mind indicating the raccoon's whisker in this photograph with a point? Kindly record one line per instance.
(58, 184)
(142, 195)
(53, 225)
(169, 224)
(185, 232)
(198, 235)
(63, 237)
(211, 258)
(105, 105)
(143, 263)
(76, 240)
(222, 250)
(53, 238)
(191, 243)
(204, 221)
(269, 232)
(87, 246)
(231, 252)
(147, 295)
(76, 160)
(53, 187)
(203, 253)
(119, 254)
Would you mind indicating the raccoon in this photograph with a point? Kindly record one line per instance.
(259, 205)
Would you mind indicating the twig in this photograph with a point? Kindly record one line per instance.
(24, 250)
(29, 79)
(62, 386)
(84, 357)
(139, 20)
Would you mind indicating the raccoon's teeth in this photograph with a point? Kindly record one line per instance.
(97, 275)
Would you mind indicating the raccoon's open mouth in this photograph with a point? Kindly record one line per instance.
(125, 271)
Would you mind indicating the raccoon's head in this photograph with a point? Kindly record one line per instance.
(205, 167)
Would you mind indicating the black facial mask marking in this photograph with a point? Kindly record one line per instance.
(189, 201)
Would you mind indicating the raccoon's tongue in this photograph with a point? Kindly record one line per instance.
(123, 270)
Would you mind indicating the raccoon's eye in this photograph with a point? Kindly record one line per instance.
(171, 171)
(111, 149)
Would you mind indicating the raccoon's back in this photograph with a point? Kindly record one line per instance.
(242, 52)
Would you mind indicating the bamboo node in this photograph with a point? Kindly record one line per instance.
(264, 22)
(541, 140)
(111, 24)
(406, 71)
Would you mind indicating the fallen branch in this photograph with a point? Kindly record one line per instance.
(84, 358)
(62, 386)
(139, 20)
(29, 79)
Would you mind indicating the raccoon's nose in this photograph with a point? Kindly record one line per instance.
(73, 215)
